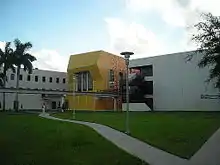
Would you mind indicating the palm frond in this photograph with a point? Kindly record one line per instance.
(28, 66)
(17, 43)
(27, 45)
(30, 57)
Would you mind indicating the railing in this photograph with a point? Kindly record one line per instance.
(54, 92)
(210, 96)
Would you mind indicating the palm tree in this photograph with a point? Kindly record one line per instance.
(7, 62)
(22, 57)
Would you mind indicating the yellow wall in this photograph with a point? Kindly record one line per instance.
(98, 63)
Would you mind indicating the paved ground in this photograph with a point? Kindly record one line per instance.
(209, 154)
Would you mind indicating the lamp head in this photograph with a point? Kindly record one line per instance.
(126, 54)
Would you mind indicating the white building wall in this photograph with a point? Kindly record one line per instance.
(34, 101)
(40, 73)
(178, 84)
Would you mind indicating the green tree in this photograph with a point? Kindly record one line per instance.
(6, 62)
(207, 38)
(22, 58)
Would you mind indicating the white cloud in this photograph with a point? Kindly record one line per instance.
(175, 12)
(50, 60)
(134, 37)
(2, 45)
(47, 59)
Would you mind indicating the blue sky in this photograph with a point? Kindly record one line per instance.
(61, 25)
(60, 28)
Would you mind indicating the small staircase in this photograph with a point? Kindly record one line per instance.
(138, 107)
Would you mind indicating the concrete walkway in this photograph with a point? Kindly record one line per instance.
(209, 154)
(143, 151)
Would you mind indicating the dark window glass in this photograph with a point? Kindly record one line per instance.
(147, 70)
(147, 87)
(84, 77)
(111, 78)
(90, 81)
(36, 78)
(29, 78)
(64, 80)
(57, 80)
(150, 103)
(44, 79)
(20, 77)
(111, 75)
(51, 79)
(79, 81)
(12, 76)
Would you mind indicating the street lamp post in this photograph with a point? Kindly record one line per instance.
(127, 56)
(74, 97)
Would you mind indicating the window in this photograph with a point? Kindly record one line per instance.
(147, 87)
(36, 78)
(90, 81)
(20, 77)
(51, 80)
(43, 79)
(57, 80)
(64, 80)
(150, 103)
(111, 76)
(29, 78)
(85, 80)
(75, 79)
(79, 81)
(147, 70)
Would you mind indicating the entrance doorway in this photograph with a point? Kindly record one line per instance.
(53, 105)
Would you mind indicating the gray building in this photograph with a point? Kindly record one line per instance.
(177, 85)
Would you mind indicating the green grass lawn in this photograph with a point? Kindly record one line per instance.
(30, 140)
(180, 133)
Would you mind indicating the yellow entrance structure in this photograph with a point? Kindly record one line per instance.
(94, 72)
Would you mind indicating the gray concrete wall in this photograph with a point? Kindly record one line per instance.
(178, 85)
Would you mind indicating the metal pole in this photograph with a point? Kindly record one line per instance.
(74, 97)
(127, 101)
(127, 56)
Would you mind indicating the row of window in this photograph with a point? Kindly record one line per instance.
(83, 81)
(36, 78)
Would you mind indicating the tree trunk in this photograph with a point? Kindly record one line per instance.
(16, 104)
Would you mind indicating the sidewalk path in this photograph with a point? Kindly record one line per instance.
(143, 151)
(209, 153)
